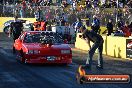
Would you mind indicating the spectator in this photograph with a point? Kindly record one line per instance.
(37, 26)
(65, 16)
(96, 24)
(77, 25)
(7, 3)
(119, 32)
(120, 4)
(114, 4)
(119, 24)
(35, 2)
(103, 2)
(24, 4)
(16, 28)
(110, 27)
(70, 2)
(59, 2)
(31, 27)
(31, 11)
(23, 7)
(38, 14)
(67, 35)
(47, 3)
(62, 22)
(126, 29)
(48, 15)
(129, 4)
(16, 9)
(21, 12)
(130, 26)
(97, 43)
(64, 4)
(74, 4)
(88, 4)
(56, 18)
(95, 3)
(43, 25)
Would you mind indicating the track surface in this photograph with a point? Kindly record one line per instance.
(14, 74)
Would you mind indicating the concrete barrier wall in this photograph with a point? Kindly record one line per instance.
(113, 46)
(4, 19)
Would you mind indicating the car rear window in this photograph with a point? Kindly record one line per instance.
(43, 37)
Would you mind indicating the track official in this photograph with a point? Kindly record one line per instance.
(98, 43)
(16, 28)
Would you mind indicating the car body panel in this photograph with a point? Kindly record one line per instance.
(45, 53)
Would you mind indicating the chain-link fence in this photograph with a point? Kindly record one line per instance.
(12, 10)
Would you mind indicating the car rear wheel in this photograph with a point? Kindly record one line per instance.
(23, 60)
(14, 50)
(65, 64)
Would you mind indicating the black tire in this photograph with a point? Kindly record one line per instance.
(23, 60)
(6, 29)
(14, 50)
(79, 79)
(65, 64)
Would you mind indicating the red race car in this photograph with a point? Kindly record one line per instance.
(42, 47)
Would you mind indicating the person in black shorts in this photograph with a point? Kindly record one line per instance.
(97, 39)
(16, 28)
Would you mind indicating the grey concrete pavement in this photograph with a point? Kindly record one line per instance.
(13, 74)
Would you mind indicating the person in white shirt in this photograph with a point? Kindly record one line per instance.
(74, 4)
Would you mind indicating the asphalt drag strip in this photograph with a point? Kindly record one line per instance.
(14, 74)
